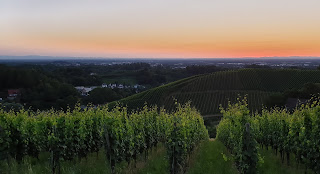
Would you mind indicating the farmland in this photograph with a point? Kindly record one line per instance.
(123, 137)
(207, 92)
(173, 139)
(287, 134)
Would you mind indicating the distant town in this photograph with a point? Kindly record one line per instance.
(85, 91)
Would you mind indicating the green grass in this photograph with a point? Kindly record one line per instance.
(157, 163)
(209, 159)
(94, 164)
(273, 164)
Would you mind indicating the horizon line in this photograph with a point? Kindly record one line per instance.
(99, 57)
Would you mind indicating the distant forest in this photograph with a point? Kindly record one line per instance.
(49, 86)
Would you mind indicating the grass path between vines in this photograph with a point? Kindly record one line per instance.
(207, 158)
(273, 164)
(211, 157)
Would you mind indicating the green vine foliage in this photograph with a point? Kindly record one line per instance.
(124, 136)
(296, 132)
(236, 133)
(186, 129)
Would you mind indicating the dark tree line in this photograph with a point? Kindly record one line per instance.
(306, 92)
(38, 91)
(202, 69)
(76, 76)
(51, 86)
(18, 78)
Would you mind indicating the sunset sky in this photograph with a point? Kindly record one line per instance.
(160, 28)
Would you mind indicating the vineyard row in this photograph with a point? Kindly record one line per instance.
(75, 134)
(286, 133)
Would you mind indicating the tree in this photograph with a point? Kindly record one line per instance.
(277, 100)
(102, 95)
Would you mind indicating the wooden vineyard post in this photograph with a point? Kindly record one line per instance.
(250, 151)
(52, 155)
(107, 146)
(4, 154)
(248, 128)
(173, 164)
(55, 155)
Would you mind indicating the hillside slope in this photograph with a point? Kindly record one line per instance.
(207, 92)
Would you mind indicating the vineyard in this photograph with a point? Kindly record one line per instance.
(122, 135)
(288, 134)
(127, 134)
(204, 100)
(126, 137)
(207, 92)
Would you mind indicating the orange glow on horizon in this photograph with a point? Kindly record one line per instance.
(161, 29)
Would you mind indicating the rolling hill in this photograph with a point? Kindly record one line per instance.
(207, 92)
